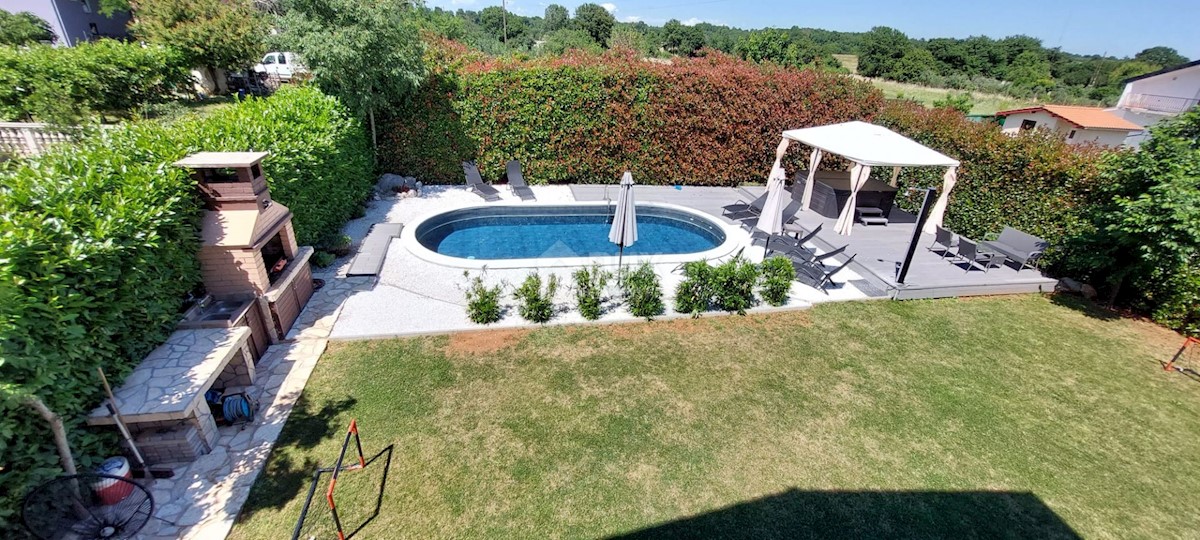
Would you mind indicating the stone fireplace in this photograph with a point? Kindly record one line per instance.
(248, 246)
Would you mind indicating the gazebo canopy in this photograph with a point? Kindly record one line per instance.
(870, 145)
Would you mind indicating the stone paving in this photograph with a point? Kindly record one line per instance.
(204, 497)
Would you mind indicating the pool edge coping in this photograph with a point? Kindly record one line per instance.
(735, 237)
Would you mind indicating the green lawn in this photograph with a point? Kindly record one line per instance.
(1020, 417)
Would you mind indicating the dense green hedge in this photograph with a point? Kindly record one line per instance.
(66, 84)
(97, 252)
(1034, 181)
(586, 118)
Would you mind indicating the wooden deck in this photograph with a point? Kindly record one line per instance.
(878, 249)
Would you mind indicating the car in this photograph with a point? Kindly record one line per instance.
(281, 65)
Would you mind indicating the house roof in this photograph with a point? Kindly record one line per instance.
(870, 145)
(1083, 117)
(1162, 71)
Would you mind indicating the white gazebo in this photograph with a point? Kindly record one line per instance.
(868, 145)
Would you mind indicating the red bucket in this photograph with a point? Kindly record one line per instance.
(109, 490)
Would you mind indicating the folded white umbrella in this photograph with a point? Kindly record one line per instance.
(623, 232)
(770, 220)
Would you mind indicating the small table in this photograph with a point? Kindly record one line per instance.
(997, 255)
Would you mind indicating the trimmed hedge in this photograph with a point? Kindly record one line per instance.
(1034, 181)
(586, 118)
(66, 84)
(98, 245)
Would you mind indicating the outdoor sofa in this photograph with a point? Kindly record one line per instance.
(1020, 247)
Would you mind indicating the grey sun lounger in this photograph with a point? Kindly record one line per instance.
(516, 181)
(475, 182)
(815, 275)
(743, 209)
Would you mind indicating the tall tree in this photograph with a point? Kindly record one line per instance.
(882, 48)
(365, 52)
(1145, 243)
(211, 34)
(1163, 57)
(23, 28)
(1030, 71)
(596, 21)
(767, 45)
(555, 18)
(681, 39)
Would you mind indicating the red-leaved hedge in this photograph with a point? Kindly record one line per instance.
(585, 118)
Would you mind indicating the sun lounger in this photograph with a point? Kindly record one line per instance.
(476, 184)
(816, 276)
(516, 181)
(744, 210)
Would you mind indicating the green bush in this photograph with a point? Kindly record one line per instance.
(695, 293)
(483, 302)
(589, 290)
(733, 285)
(322, 259)
(98, 244)
(65, 85)
(643, 292)
(536, 304)
(320, 164)
(777, 276)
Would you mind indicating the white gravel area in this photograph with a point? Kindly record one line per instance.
(413, 296)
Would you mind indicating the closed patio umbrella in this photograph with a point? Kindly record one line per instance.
(623, 232)
(770, 220)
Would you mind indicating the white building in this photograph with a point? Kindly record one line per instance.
(1154, 97)
(1077, 125)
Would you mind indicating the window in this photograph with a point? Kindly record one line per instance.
(269, 59)
(1027, 125)
(1071, 135)
(92, 28)
(87, 7)
(282, 58)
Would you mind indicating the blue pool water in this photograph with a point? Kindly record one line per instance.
(562, 231)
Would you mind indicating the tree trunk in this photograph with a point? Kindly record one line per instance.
(56, 427)
(1116, 290)
(374, 142)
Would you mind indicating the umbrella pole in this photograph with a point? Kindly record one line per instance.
(620, 256)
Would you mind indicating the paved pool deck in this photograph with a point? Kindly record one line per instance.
(413, 296)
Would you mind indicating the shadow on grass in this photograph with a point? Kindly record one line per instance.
(1085, 306)
(284, 478)
(872, 514)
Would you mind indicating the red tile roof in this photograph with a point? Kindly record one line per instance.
(1084, 117)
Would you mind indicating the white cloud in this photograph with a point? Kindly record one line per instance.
(631, 19)
(691, 22)
(609, 6)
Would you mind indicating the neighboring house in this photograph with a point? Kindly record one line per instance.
(73, 21)
(1151, 98)
(1077, 125)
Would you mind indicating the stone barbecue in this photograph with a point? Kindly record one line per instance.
(248, 247)
(257, 279)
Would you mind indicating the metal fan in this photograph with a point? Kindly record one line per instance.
(87, 506)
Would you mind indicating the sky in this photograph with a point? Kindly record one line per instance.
(1117, 28)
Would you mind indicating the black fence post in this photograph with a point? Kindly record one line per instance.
(930, 197)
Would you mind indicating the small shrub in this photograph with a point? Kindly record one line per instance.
(536, 303)
(589, 290)
(323, 259)
(733, 285)
(777, 276)
(643, 292)
(483, 302)
(694, 294)
(337, 244)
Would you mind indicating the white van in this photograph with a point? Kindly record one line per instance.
(281, 65)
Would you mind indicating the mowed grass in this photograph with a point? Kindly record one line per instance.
(1018, 417)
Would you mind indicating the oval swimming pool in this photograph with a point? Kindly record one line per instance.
(563, 231)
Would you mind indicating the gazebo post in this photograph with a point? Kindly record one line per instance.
(896, 176)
